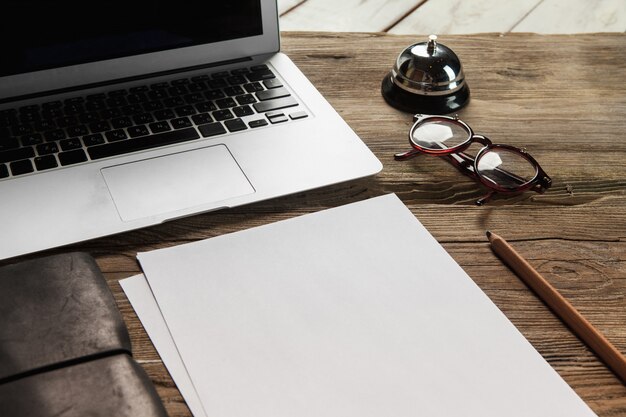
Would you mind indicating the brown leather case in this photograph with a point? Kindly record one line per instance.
(64, 348)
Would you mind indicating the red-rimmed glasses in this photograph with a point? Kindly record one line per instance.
(501, 168)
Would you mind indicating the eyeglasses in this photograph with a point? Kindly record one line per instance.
(501, 168)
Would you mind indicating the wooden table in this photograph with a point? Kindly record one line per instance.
(561, 97)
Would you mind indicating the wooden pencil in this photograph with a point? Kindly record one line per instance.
(560, 306)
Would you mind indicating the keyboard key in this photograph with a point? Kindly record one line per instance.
(178, 90)
(226, 103)
(185, 111)
(143, 143)
(4, 171)
(47, 148)
(181, 123)
(233, 91)
(45, 162)
(116, 101)
(214, 94)
(132, 109)
(72, 157)
(121, 122)
(279, 103)
(115, 135)
(236, 80)
(253, 87)
(194, 98)
(143, 118)
(245, 99)
(202, 118)
(21, 167)
(73, 100)
(73, 109)
(69, 144)
(222, 115)
(180, 81)
(157, 94)
(66, 121)
(45, 125)
(108, 114)
(137, 131)
(52, 105)
(53, 135)
(158, 127)
(98, 127)
(205, 107)
(5, 133)
(95, 105)
(279, 119)
(272, 94)
(215, 84)
(21, 130)
(88, 117)
(197, 87)
(235, 125)
(257, 123)
(9, 143)
(260, 75)
(91, 140)
(138, 89)
(212, 129)
(298, 115)
(77, 130)
(152, 106)
(220, 74)
(137, 98)
(30, 140)
(16, 154)
(174, 102)
(242, 111)
(117, 93)
(164, 114)
(272, 83)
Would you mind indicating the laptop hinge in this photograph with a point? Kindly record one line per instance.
(122, 80)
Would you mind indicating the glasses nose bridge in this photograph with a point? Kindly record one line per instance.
(483, 140)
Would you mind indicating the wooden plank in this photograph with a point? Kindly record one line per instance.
(575, 16)
(458, 16)
(346, 15)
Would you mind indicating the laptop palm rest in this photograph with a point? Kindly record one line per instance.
(180, 181)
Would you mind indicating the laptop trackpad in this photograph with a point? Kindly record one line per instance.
(175, 182)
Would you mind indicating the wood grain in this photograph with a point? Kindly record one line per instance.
(567, 106)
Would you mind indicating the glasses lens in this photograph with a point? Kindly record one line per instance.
(438, 135)
(505, 168)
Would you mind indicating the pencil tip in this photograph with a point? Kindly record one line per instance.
(488, 233)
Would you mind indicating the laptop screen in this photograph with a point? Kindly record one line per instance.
(44, 34)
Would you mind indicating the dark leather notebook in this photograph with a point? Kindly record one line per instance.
(64, 348)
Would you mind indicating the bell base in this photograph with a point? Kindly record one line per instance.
(415, 103)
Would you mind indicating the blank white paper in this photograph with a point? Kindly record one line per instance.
(355, 311)
(138, 292)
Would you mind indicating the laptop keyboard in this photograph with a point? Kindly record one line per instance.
(86, 128)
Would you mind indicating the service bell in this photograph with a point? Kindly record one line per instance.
(427, 78)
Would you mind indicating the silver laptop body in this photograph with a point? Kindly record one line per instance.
(282, 148)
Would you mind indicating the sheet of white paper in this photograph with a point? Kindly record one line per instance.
(138, 292)
(353, 311)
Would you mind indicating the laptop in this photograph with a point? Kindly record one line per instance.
(120, 115)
